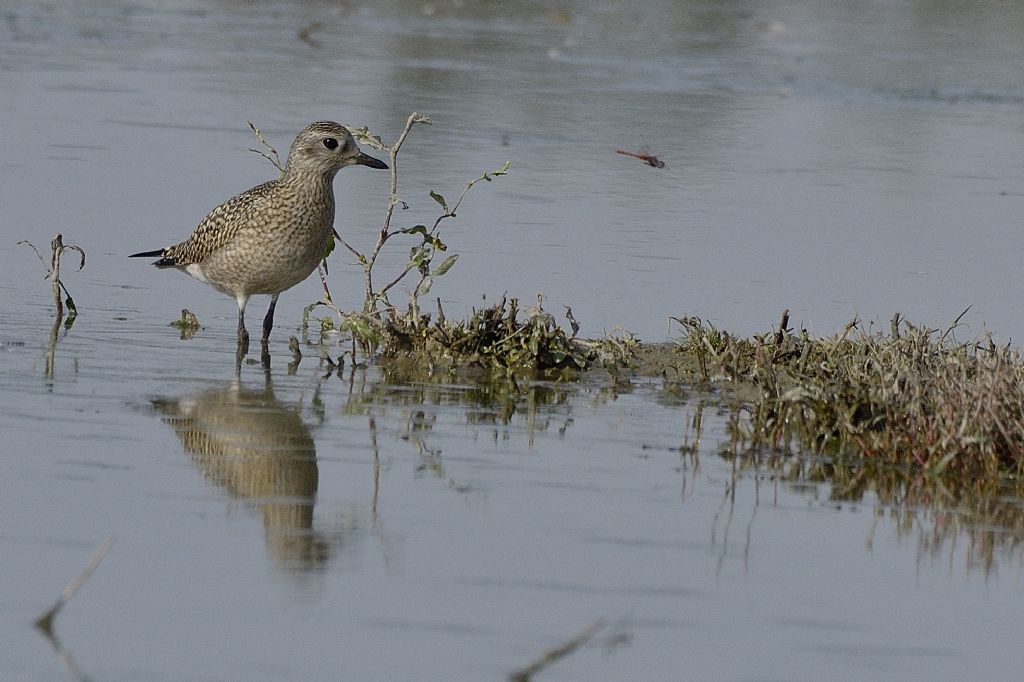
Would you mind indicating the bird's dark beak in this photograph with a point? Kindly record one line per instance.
(367, 160)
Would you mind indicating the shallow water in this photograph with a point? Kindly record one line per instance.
(297, 525)
(834, 161)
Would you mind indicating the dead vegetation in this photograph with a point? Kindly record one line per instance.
(913, 398)
(503, 340)
(52, 270)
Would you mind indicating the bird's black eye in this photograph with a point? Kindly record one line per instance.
(330, 143)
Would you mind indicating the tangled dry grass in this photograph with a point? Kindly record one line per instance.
(504, 339)
(914, 397)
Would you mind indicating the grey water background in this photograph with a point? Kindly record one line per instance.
(836, 159)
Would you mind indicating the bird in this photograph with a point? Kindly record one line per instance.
(257, 447)
(271, 237)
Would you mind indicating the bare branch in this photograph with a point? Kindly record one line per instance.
(45, 622)
(46, 268)
(276, 160)
(393, 200)
(556, 653)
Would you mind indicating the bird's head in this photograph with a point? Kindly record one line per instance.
(326, 147)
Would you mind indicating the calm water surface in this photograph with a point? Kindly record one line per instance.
(836, 161)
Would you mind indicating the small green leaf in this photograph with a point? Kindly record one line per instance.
(331, 243)
(418, 255)
(425, 285)
(364, 136)
(445, 265)
(359, 326)
(439, 199)
(415, 229)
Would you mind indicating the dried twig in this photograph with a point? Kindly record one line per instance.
(45, 622)
(393, 200)
(52, 270)
(305, 33)
(556, 653)
(276, 160)
(780, 333)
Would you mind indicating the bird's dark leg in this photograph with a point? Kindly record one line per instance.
(268, 321)
(243, 334)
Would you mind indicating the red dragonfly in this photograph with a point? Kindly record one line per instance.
(652, 161)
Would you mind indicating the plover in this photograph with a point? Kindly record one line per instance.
(271, 237)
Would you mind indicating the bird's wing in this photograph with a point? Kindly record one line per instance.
(220, 226)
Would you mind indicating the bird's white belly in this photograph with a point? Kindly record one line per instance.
(266, 268)
(196, 270)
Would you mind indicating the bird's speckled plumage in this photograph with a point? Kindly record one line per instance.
(271, 237)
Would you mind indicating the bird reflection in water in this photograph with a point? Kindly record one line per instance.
(258, 449)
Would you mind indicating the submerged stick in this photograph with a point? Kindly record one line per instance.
(57, 248)
(45, 622)
(556, 653)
